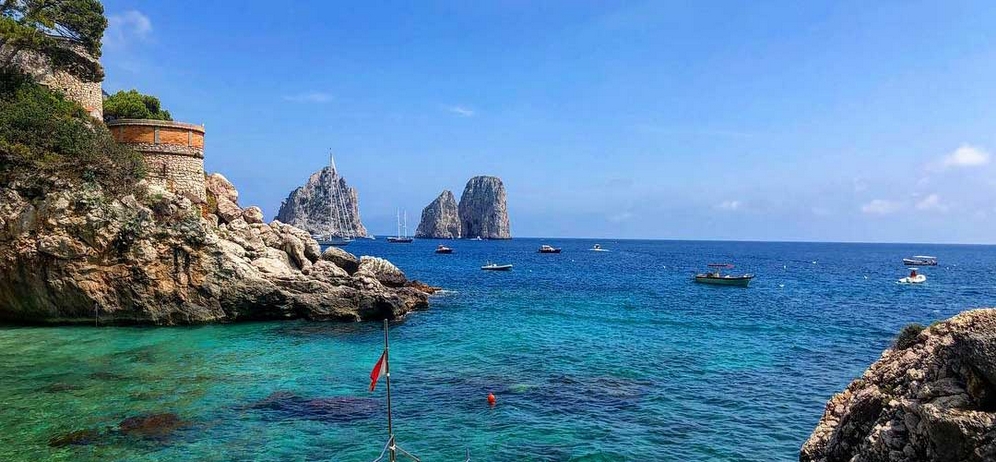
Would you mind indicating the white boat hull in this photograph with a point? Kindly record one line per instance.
(918, 279)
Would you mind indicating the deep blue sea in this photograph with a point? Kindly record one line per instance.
(592, 356)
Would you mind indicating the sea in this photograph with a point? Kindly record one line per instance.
(592, 356)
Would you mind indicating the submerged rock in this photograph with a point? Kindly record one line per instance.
(483, 210)
(76, 255)
(283, 404)
(308, 207)
(75, 438)
(934, 400)
(440, 219)
(151, 425)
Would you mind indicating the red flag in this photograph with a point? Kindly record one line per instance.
(377, 370)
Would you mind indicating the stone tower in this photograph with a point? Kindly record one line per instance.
(173, 152)
(39, 67)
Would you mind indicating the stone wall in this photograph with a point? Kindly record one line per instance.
(173, 152)
(88, 94)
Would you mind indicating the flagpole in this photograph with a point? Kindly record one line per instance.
(392, 456)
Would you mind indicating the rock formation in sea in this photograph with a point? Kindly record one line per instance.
(308, 207)
(76, 254)
(440, 219)
(483, 210)
(930, 397)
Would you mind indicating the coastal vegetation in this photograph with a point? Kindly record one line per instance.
(908, 335)
(44, 136)
(134, 105)
(46, 27)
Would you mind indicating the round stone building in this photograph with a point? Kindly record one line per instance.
(173, 152)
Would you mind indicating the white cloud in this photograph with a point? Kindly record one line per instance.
(126, 27)
(312, 97)
(880, 207)
(966, 156)
(461, 111)
(931, 202)
(729, 205)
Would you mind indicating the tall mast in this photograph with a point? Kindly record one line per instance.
(406, 223)
(342, 216)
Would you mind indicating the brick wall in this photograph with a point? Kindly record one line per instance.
(173, 152)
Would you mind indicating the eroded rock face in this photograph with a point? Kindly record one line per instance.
(74, 254)
(483, 210)
(309, 206)
(440, 219)
(932, 401)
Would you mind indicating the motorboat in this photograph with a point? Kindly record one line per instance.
(496, 267)
(399, 240)
(443, 249)
(598, 248)
(714, 276)
(913, 278)
(547, 249)
(920, 260)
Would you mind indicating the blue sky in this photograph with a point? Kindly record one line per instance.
(840, 121)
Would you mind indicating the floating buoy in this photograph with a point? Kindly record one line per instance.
(491, 399)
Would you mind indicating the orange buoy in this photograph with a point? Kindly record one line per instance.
(491, 399)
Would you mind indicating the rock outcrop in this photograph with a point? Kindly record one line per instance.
(309, 207)
(440, 219)
(74, 254)
(483, 210)
(932, 397)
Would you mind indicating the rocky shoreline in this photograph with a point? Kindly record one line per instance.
(75, 255)
(931, 397)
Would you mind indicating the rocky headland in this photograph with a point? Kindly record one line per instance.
(308, 207)
(74, 253)
(930, 397)
(440, 219)
(484, 210)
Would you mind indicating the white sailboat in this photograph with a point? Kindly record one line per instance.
(340, 226)
(401, 238)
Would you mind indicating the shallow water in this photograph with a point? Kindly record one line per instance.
(592, 355)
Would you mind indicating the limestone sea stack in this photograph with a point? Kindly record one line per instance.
(483, 209)
(440, 219)
(930, 397)
(75, 254)
(309, 207)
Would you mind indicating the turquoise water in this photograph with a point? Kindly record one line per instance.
(592, 356)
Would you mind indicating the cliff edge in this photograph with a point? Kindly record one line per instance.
(78, 254)
(931, 397)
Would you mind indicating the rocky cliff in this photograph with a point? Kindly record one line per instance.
(440, 219)
(931, 397)
(309, 207)
(75, 254)
(483, 210)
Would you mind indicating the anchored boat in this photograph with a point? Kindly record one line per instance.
(340, 226)
(913, 278)
(401, 238)
(496, 267)
(443, 249)
(920, 260)
(715, 276)
(548, 249)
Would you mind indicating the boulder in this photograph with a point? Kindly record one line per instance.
(932, 398)
(382, 270)
(253, 214)
(342, 259)
(218, 186)
(228, 211)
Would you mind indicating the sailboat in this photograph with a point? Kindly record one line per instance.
(340, 226)
(401, 238)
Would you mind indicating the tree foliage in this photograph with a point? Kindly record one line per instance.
(134, 105)
(47, 26)
(43, 135)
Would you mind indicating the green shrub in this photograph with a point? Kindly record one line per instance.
(908, 336)
(44, 135)
(134, 105)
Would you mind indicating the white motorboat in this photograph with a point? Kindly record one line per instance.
(598, 248)
(496, 267)
(920, 260)
(913, 278)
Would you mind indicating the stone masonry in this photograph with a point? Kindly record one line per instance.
(88, 94)
(173, 152)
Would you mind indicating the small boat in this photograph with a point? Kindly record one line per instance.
(443, 249)
(598, 248)
(496, 267)
(401, 238)
(913, 278)
(478, 238)
(715, 277)
(547, 249)
(334, 241)
(920, 260)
